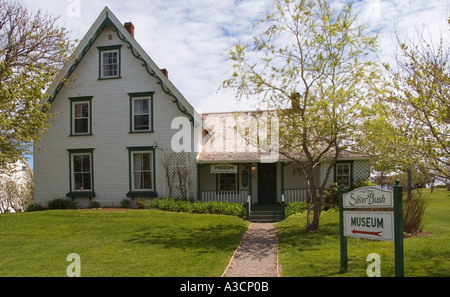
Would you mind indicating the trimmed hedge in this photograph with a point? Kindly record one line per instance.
(212, 207)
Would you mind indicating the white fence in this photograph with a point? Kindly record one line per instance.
(292, 195)
(222, 196)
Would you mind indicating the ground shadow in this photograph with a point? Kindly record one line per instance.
(207, 239)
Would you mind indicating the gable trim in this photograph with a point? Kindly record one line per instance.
(108, 22)
(152, 73)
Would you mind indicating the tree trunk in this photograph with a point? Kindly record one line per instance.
(409, 186)
(316, 202)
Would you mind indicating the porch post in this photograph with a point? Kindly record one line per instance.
(282, 178)
(199, 198)
(250, 179)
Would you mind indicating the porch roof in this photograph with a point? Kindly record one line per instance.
(256, 157)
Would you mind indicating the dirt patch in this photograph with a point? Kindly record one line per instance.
(418, 234)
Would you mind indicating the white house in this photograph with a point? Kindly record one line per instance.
(120, 130)
(111, 123)
(20, 175)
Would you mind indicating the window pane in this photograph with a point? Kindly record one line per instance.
(144, 106)
(78, 181)
(137, 162)
(86, 181)
(147, 180)
(146, 162)
(77, 163)
(86, 159)
(141, 122)
(81, 110)
(81, 126)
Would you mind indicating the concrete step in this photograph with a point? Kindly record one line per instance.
(266, 213)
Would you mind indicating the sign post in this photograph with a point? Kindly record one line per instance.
(378, 225)
(343, 239)
(398, 242)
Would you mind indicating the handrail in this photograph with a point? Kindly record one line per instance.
(248, 206)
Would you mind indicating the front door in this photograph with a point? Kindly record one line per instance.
(267, 183)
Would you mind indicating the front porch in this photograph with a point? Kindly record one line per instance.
(264, 183)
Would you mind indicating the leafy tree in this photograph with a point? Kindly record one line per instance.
(413, 132)
(32, 51)
(313, 65)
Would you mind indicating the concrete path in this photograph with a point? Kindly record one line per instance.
(257, 255)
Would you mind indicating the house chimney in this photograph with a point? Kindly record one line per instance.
(130, 28)
(166, 73)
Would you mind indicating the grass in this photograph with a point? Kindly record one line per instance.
(126, 243)
(318, 254)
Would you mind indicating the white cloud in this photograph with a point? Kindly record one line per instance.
(191, 38)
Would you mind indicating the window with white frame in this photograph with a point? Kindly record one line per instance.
(141, 112)
(80, 117)
(109, 61)
(343, 174)
(142, 170)
(81, 171)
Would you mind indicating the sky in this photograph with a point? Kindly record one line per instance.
(191, 38)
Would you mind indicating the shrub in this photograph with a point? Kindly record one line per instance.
(61, 204)
(142, 202)
(125, 203)
(94, 204)
(34, 207)
(413, 211)
(296, 207)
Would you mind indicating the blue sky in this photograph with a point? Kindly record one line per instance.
(191, 38)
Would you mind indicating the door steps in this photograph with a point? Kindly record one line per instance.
(266, 213)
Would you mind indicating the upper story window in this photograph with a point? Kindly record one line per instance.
(80, 115)
(141, 112)
(109, 61)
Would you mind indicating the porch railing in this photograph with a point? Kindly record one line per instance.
(299, 194)
(222, 196)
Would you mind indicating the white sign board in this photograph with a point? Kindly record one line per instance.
(369, 224)
(369, 197)
(224, 168)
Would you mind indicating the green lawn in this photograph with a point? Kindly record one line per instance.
(127, 243)
(317, 254)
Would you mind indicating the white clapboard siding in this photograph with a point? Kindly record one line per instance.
(110, 129)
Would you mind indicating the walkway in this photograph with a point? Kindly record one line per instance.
(257, 255)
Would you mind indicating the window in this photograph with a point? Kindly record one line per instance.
(109, 62)
(142, 172)
(80, 114)
(81, 173)
(343, 175)
(141, 112)
(227, 182)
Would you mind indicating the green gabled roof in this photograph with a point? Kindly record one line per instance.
(105, 19)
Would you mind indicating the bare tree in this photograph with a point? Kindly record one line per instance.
(33, 48)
